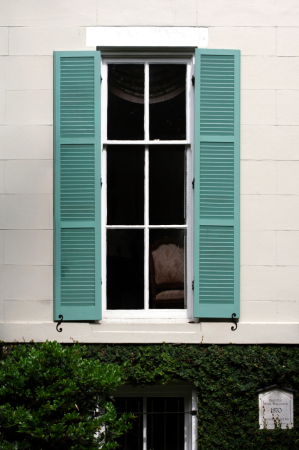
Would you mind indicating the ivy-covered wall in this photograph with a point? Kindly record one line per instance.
(226, 378)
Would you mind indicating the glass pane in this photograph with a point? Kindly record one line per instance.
(167, 269)
(125, 185)
(167, 100)
(165, 431)
(125, 101)
(125, 269)
(132, 440)
(167, 185)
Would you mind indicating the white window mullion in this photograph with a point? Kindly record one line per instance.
(144, 423)
(146, 228)
(104, 107)
(188, 99)
(146, 142)
(146, 102)
(104, 227)
(146, 187)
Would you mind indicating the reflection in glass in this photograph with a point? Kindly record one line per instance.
(125, 101)
(167, 268)
(132, 439)
(167, 101)
(165, 431)
(125, 185)
(166, 185)
(125, 273)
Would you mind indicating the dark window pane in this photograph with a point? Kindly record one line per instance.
(125, 101)
(165, 431)
(167, 101)
(125, 274)
(125, 185)
(166, 185)
(132, 440)
(167, 268)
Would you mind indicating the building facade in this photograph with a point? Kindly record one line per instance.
(267, 38)
(162, 126)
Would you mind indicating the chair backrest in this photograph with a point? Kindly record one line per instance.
(168, 260)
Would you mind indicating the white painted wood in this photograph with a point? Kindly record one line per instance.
(146, 223)
(147, 142)
(147, 313)
(146, 187)
(146, 104)
(144, 425)
(194, 421)
(149, 226)
(146, 37)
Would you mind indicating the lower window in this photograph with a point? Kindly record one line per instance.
(163, 419)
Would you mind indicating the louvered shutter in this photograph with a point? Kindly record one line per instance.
(77, 186)
(217, 184)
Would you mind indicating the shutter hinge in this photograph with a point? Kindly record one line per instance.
(101, 182)
(193, 181)
(193, 285)
(193, 80)
(101, 79)
(101, 281)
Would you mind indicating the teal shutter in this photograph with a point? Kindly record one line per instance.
(217, 184)
(77, 186)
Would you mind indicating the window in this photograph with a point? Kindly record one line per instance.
(137, 164)
(146, 187)
(163, 417)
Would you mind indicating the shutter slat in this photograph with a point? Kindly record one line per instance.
(217, 190)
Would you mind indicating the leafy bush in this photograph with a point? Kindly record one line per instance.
(49, 396)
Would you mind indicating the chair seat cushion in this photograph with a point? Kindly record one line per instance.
(170, 295)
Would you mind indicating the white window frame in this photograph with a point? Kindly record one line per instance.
(186, 390)
(135, 56)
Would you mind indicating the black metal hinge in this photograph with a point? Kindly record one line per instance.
(193, 181)
(193, 80)
(193, 285)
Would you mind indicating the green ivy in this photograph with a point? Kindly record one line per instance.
(226, 378)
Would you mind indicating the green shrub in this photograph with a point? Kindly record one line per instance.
(49, 396)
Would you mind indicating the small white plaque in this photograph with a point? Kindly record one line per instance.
(276, 406)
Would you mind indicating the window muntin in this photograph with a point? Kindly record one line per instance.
(166, 195)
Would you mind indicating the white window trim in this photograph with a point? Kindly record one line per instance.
(137, 55)
(154, 37)
(186, 390)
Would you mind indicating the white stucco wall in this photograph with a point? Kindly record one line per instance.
(267, 33)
